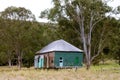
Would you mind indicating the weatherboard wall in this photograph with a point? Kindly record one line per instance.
(70, 59)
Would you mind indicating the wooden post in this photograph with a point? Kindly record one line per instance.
(48, 60)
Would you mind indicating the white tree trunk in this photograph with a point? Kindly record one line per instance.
(9, 62)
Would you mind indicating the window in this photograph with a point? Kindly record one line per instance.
(76, 60)
(51, 61)
(60, 58)
(61, 61)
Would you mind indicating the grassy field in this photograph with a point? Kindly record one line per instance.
(101, 72)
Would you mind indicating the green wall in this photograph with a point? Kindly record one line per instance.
(69, 59)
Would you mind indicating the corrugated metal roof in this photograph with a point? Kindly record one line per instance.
(59, 45)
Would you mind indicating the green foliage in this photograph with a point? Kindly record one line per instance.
(28, 59)
(19, 13)
(83, 21)
(3, 58)
(21, 35)
(24, 38)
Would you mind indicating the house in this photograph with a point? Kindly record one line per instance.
(58, 54)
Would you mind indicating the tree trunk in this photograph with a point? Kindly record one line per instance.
(88, 65)
(19, 62)
(9, 62)
(19, 58)
(9, 58)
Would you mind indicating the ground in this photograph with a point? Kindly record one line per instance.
(101, 72)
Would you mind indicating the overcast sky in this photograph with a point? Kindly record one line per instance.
(36, 6)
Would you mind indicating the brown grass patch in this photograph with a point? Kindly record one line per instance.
(62, 74)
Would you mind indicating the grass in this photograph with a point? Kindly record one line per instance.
(101, 72)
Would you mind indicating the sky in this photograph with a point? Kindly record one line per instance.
(36, 6)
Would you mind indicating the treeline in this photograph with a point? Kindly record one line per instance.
(21, 36)
(19, 40)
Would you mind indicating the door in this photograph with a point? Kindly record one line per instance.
(41, 61)
(61, 62)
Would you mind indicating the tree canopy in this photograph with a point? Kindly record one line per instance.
(84, 16)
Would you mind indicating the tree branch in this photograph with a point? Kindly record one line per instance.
(100, 44)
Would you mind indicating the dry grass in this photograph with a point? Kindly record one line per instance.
(106, 72)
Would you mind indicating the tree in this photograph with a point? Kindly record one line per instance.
(86, 14)
(115, 40)
(17, 34)
(101, 39)
(6, 41)
(19, 13)
(24, 37)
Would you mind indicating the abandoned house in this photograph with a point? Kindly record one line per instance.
(58, 54)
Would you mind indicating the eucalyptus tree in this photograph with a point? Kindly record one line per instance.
(6, 41)
(115, 40)
(115, 35)
(19, 26)
(101, 39)
(17, 13)
(85, 14)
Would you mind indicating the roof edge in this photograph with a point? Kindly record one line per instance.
(59, 51)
